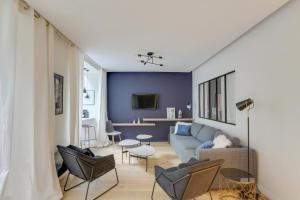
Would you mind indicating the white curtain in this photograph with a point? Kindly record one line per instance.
(26, 107)
(8, 29)
(76, 62)
(102, 139)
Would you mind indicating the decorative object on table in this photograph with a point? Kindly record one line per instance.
(142, 152)
(138, 121)
(133, 121)
(237, 184)
(221, 141)
(187, 180)
(149, 58)
(110, 131)
(141, 137)
(85, 113)
(242, 105)
(86, 167)
(58, 93)
(179, 114)
(171, 113)
(189, 106)
(89, 98)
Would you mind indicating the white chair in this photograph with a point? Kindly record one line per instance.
(111, 131)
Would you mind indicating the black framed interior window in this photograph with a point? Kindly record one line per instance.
(216, 98)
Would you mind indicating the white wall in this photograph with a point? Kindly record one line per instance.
(92, 83)
(267, 64)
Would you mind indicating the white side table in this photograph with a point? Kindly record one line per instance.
(142, 152)
(127, 144)
(141, 137)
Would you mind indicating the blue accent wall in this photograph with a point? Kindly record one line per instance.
(174, 90)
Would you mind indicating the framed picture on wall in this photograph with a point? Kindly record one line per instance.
(59, 94)
(89, 97)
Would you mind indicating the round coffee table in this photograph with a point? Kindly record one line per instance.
(142, 152)
(141, 137)
(128, 143)
(238, 184)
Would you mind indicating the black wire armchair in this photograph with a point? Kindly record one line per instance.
(188, 180)
(83, 164)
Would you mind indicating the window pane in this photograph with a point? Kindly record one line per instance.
(206, 100)
(221, 99)
(230, 89)
(213, 99)
(201, 101)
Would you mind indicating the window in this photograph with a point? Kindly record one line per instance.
(217, 98)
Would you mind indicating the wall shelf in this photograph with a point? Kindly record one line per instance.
(133, 124)
(167, 120)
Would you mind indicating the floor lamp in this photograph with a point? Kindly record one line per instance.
(242, 105)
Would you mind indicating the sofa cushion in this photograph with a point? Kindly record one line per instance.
(186, 142)
(206, 133)
(183, 130)
(195, 129)
(234, 140)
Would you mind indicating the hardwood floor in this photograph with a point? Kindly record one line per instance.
(135, 183)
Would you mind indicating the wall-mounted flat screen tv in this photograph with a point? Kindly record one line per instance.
(145, 101)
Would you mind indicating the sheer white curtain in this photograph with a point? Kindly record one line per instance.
(102, 116)
(76, 62)
(26, 112)
(8, 29)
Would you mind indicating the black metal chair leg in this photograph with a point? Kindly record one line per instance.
(87, 190)
(72, 186)
(210, 196)
(153, 190)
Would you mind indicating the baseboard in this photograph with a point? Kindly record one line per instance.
(267, 193)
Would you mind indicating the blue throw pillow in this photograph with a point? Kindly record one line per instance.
(207, 145)
(183, 130)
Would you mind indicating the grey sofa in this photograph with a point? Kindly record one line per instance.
(234, 156)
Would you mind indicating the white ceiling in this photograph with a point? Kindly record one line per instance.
(185, 33)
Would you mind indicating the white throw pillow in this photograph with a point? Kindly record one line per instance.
(181, 123)
(221, 141)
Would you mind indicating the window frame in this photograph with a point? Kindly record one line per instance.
(202, 101)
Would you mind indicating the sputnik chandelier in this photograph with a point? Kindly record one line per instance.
(149, 59)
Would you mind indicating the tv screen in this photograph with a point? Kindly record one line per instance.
(144, 101)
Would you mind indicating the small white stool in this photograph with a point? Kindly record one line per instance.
(141, 137)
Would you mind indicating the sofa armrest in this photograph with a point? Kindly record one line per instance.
(233, 157)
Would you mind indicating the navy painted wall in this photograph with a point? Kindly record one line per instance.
(174, 90)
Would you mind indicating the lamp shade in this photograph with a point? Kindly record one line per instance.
(244, 104)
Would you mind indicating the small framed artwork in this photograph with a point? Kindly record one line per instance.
(171, 112)
(89, 97)
(59, 94)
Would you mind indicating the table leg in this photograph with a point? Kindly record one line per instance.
(113, 139)
(146, 164)
(122, 154)
(129, 158)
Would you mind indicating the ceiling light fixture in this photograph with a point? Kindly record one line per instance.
(150, 59)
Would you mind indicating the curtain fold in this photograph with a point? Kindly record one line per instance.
(26, 119)
(102, 138)
(43, 116)
(8, 30)
(76, 59)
